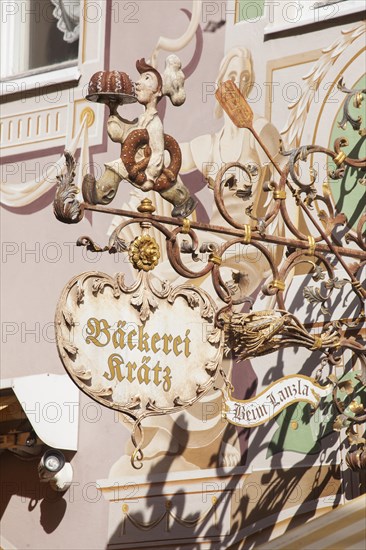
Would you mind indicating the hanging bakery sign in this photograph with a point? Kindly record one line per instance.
(150, 348)
(138, 349)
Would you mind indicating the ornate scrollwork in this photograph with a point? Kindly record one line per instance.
(144, 253)
(296, 155)
(66, 207)
(262, 332)
(318, 245)
(112, 335)
(357, 97)
(314, 295)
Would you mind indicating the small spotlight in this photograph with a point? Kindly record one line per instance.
(51, 462)
(54, 468)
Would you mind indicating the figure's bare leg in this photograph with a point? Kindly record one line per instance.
(179, 196)
(102, 191)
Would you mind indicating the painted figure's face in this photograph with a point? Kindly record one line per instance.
(239, 71)
(146, 88)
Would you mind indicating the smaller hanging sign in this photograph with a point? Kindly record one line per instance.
(279, 395)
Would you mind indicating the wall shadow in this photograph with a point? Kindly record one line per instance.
(19, 477)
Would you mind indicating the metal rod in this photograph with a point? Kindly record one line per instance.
(273, 239)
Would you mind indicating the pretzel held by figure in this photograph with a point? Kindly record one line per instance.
(143, 142)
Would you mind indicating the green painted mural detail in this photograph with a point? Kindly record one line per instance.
(348, 193)
(249, 10)
(301, 429)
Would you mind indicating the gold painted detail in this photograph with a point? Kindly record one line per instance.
(340, 158)
(294, 425)
(186, 225)
(355, 407)
(318, 342)
(261, 332)
(90, 116)
(144, 253)
(357, 100)
(100, 333)
(311, 249)
(280, 285)
(357, 284)
(249, 334)
(167, 515)
(146, 206)
(215, 259)
(247, 234)
(356, 460)
(279, 194)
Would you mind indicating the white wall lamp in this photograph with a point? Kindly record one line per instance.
(54, 469)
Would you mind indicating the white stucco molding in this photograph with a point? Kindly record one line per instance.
(58, 91)
(40, 79)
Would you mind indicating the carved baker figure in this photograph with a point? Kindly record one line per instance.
(143, 141)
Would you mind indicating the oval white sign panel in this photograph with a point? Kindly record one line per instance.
(145, 349)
